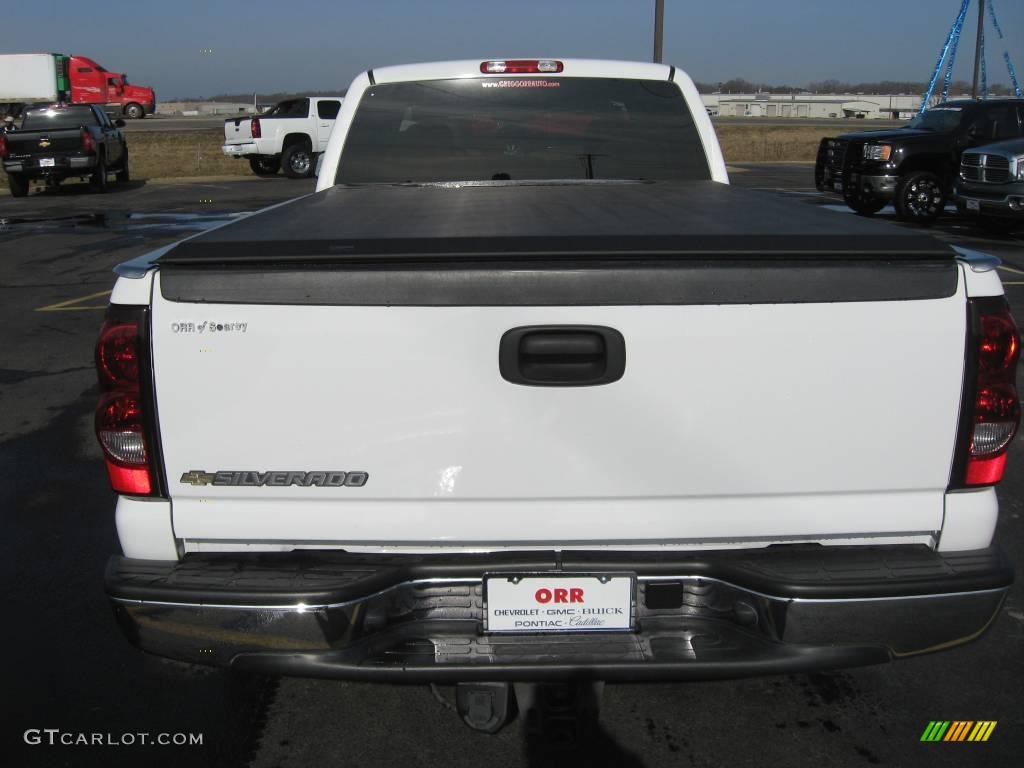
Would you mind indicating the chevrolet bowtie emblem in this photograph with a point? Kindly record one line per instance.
(195, 477)
(44, 142)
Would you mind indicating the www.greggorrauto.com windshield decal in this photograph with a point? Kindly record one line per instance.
(520, 83)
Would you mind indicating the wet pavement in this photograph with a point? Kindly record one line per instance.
(119, 221)
(70, 669)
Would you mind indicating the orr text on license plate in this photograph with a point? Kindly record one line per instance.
(559, 602)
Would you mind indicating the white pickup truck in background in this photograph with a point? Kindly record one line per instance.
(526, 391)
(290, 135)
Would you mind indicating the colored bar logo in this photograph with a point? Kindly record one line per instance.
(959, 730)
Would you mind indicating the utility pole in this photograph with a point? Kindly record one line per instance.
(659, 29)
(978, 48)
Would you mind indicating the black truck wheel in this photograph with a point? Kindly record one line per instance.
(124, 174)
(265, 166)
(98, 180)
(920, 197)
(297, 161)
(18, 184)
(134, 111)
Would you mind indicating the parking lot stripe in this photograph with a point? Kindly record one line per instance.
(1011, 269)
(68, 306)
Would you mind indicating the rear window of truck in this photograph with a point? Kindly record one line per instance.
(536, 128)
(939, 119)
(58, 119)
(290, 108)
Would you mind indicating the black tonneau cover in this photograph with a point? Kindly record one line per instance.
(494, 219)
(552, 243)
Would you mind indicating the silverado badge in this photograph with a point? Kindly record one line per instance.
(333, 479)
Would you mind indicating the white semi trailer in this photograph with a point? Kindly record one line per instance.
(32, 78)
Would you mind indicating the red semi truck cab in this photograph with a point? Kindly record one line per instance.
(93, 84)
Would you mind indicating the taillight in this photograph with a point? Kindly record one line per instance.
(3, 146)
(254, 128)
(122, 424)
(991, 409)
(521, 66)
(88, 142)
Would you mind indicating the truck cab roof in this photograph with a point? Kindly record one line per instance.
(443, 70)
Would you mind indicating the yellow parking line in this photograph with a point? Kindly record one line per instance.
(65, 306)
(1011, 269)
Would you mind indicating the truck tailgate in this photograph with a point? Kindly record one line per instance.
(748, 409)
(44, 142)
(238, 130)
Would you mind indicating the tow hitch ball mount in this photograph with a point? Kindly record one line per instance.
(487, 707)
(484, 706)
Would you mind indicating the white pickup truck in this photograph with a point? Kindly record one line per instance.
(526, 391)
(291, 134)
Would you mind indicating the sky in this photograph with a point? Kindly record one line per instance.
(295, 45)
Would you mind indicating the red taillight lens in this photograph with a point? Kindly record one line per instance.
(999, 346)
(88, 143)
(119, 426)
(996, 413)
(117, 355)
(254, 128)
(121, 416)
(121, 432)
(521, 67)
(3, 146)
(134, 482)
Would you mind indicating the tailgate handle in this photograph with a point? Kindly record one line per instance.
(562, 355)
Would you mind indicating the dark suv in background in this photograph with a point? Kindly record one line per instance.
(914, 167)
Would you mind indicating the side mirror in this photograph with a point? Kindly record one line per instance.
(119, 123)
(319, 165)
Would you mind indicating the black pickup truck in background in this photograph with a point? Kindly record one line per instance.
(59, 142)
(913, 167)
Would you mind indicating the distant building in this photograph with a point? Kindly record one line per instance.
(814, 105)
(193, 108)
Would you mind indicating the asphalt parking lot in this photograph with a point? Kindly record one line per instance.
(69, 667)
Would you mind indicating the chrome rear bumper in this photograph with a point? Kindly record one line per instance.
(415, 618)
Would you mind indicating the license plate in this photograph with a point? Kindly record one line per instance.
(973, 205)
(46, 162)
(837, 186)
(559, 602)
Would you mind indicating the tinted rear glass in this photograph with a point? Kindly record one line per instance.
(480, 129)
(939, 119)
(58, 119)
(290, 108)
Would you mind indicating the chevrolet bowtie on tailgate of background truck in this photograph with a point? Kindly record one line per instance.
(526, 392)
